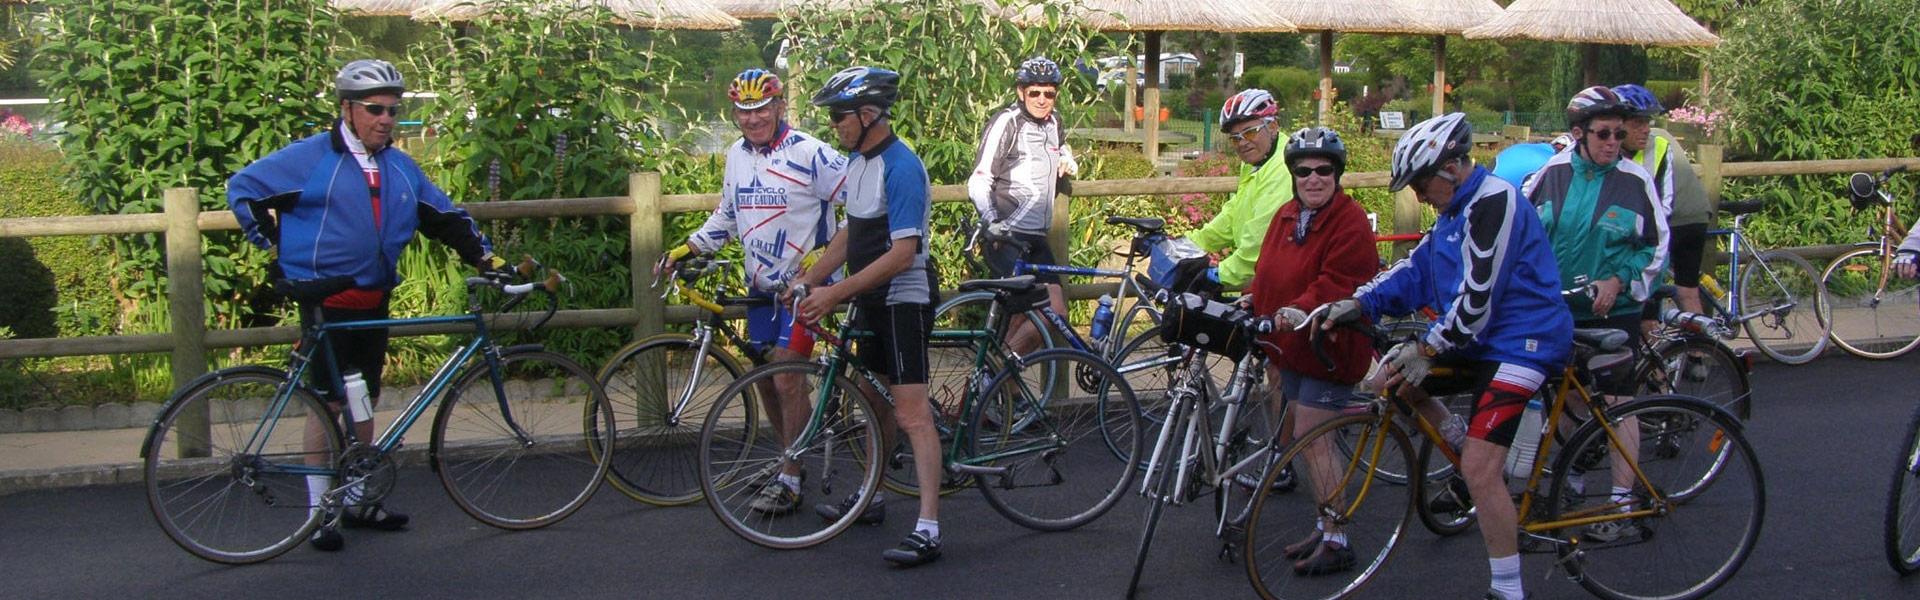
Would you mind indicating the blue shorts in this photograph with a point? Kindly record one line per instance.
(1317, 393)
(772, 326)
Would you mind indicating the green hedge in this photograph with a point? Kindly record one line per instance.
(47, 272)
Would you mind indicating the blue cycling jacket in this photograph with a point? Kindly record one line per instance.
(325, 224)
(1488, 269)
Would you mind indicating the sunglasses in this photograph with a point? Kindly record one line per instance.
(839, 115)
(1248, 134)
(377, 109)
(1609, 134)
(1322, 170)
(1048, 94)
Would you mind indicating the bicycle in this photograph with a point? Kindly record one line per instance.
(1687, 356)
(1660, 555)
(1775, 298)
(1903, 503)
(1014, 435)
(521, 438)
(661, 387)
(1189, 456)
(1874, 313)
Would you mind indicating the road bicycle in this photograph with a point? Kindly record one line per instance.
(1903, 503)
(1038, 453)
(243, 463)
(1775, 297)
(1875, 314)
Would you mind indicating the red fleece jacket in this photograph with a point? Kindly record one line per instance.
(1338, 255)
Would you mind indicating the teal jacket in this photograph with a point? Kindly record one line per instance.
(1602, 222)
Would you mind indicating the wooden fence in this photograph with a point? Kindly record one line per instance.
(645, 207)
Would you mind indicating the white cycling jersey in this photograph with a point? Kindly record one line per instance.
(778, 201)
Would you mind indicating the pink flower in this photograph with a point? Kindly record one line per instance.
(17, 125)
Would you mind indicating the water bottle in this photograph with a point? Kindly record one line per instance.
(1103, 317)
(1526, 440)
(358, 404)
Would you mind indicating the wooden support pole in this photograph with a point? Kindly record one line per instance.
(1406, 219)
(1151, 145)
(645, 228)
(187, 307)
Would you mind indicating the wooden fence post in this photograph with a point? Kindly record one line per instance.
(1710, 156)
(186, 305)
(1406, 219)
(645, 229)
(1059, 239)
(1514, 134)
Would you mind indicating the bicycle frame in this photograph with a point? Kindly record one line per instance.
(703, 330)
(1732, 311)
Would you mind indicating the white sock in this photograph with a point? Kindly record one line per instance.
(929, 526)
(1506, 577)
(1623, 495)
(317, 486)
(1339, 539)
(353, 495)
(792, 481)
(1455, 431)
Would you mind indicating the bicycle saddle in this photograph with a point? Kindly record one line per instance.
(1010, 284)
(1142, 224)
(1603, 340)
(1742, 207)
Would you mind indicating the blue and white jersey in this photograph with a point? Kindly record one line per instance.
(776, 200)
(888, 201)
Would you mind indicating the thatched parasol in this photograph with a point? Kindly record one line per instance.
(646, 14)
(1154, 17)
(1348, 16)
(378, 8)
(1450, 17)
(1622, 22)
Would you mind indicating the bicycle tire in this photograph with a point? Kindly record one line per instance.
(1373, 516)
(1903, 504)
(1704, 368)
(656, 458)
(189, 475)
(1795, 331)
(968, 312)
(1428, 489)
(847, 432)
(1653, 565)
(1870, 320)
(545, 471)
(1071, 434)
(1159, 493)
(949, 373)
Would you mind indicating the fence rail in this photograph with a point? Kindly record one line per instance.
(644, 205)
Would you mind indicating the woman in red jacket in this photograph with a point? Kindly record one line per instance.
(1318, 249)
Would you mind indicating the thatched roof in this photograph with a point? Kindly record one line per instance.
(1227, 16)
(1629, 22)
(648, 14)
(1351, 16)
(1451, 17)
(377, 8)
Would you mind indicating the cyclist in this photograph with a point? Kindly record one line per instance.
(1607, 227)
(884, 246)
(342, 205)
(1022, 163)
(1679, 190)
(1487, 267)
(775, 198)
(1318, 248)
(1248, 119)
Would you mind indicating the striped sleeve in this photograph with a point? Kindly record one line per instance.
(1489, 224)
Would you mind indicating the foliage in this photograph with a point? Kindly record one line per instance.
(159, 94)
(76, 299)
(956, 62)
(1275, 50)
(1410, 58)
(1814, 79)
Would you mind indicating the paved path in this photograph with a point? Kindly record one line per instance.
(1825, 434)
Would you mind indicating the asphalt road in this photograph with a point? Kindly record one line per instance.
(1825, 435)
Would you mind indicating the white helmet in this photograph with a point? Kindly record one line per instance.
(1427, 145)
(1249, 104)
(366, 77)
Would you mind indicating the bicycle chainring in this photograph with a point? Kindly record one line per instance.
(375, 471)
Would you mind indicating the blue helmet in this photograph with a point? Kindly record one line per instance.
(859, 86)
(1641, 99)
(1518, 161)
(1037, 71)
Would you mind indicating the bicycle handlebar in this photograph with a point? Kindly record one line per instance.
(550, 287)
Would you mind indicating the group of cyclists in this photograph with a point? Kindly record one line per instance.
(1611, 213)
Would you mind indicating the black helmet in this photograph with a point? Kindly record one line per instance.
(1317, 141)
(859, 86)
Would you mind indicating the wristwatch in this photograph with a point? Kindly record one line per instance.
(1426, 350)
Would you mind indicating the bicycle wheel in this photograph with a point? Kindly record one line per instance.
(1159, 494)
(1903, 504)
(1688, 546)
(1785, 290)
(527, 450)
(741, 453)
(660, 389)
(949, 372)
(1343, 492)
(969, 311)
(1456, 516)
(220, 498)
(1872, 317)
(1057, 473)
(1702, 368)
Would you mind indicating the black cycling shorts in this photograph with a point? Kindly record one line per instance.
(1500, 392)
(1687, 247)
(1001, 256)
(897, 344)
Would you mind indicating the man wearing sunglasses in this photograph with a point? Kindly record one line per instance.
(1609, 229)
(1022, 163)
(343, 205)
(1679, 191)
(1248, 118)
